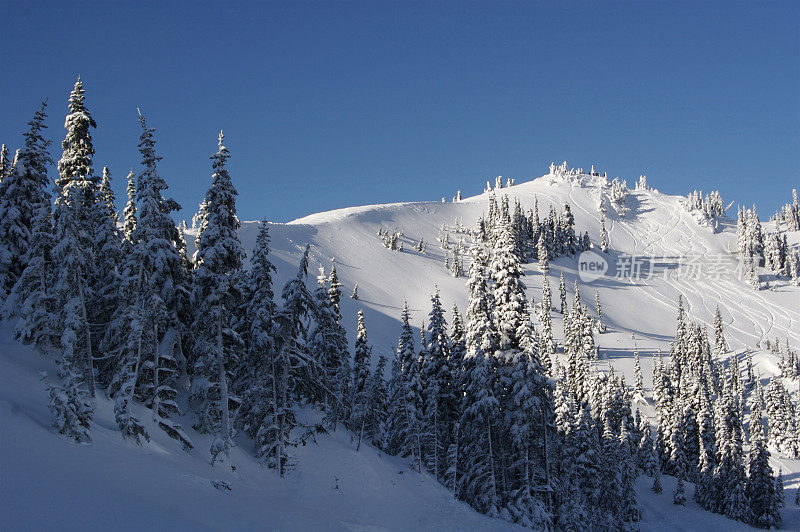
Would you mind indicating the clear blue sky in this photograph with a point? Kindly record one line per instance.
(331, 104)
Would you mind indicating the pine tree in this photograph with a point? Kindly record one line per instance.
(31, 296)
(562, 291)
(377, 406)
(69, 404)
(542, 254)
(599, 309)
(216, 295)
(546, 343)
(603, 235)
(104, 277)
(74, 252)
(328, 346)
(528, 406)
(480, 407)
(638, 386)
(764, 507)
(289, 356)
(408, 407)
(5, 162)
(162, 294)
(509, 291)
(720, 346)
(33, 291)
(257, 381)
(730, 471)
(129, 213)
(705, 488)
(679, 498)
(657, 479)
(126, 336)
(22, 195)
(644, 448)
(362, 354)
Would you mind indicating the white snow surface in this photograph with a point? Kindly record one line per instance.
(46, 482)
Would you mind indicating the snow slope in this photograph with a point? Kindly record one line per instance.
(49, 483)
(158, 485)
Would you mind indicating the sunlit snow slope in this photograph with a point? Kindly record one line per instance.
(47, 482)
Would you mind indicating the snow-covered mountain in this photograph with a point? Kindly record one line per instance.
(655, 225)
(331, 486)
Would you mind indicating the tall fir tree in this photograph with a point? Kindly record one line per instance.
(105, 277)
(22, 193)
(760, 488)
(216, 296)
(290, 356)
(74, 252)
(256, 380)
(440, 398)
(362, 361)
(161, 296)
(129, 213)
(509, 291)
(31, 298)
(479, 406)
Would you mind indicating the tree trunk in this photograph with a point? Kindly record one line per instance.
(361, 432)
(225, 428)
(89, 354)
(156, 383)
(131, 393)
(547, 470)
(275, 421)
(282, 435)
(491, 463)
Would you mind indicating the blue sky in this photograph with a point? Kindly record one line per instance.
(332, 104)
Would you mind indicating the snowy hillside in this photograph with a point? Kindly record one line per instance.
(657, 225)
(157, 485)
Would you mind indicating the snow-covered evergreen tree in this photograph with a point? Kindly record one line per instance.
(129, 213)
(31, 298)
(5, 162)
(547, 345)
(290, 355)
(509, 291)
(215, 294)
(157, 269)
(362, 361)
(257, 378)
(760, 488)
(479, 406)
(406, 408)
(603, 235)
(679, 497)
(638, 386)
(104, 277)
(439, 408)
(69, 404)
(22, 193)
(377, 406)
(74, 252)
